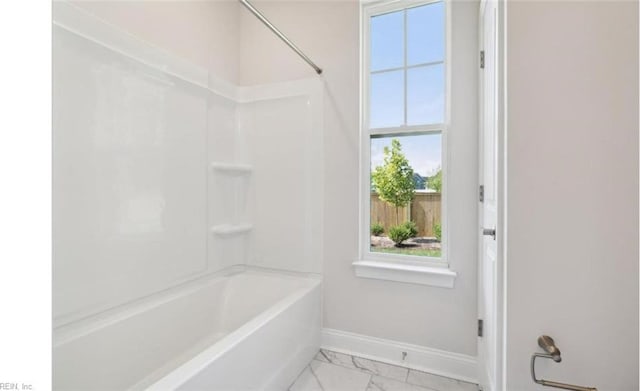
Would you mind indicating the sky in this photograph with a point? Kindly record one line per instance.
(424, 152)
(425, 84)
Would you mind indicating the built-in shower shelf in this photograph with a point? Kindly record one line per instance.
(231, 229)
(232, 168)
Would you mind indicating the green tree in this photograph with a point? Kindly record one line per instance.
(393, 180)
(435, 182)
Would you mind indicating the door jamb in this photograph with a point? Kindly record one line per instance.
(502, 188)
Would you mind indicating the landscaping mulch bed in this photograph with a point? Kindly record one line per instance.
(425, 243)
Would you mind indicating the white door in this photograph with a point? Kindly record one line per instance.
(488, 206)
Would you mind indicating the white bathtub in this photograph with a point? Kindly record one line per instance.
(248, 330)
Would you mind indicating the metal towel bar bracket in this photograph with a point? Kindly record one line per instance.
(553, 353)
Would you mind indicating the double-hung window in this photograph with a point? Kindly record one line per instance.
(403, 135)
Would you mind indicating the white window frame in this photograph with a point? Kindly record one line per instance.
(404, 268)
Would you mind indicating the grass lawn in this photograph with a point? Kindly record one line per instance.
(423, 252)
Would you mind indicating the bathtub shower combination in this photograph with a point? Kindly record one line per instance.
(187, 219)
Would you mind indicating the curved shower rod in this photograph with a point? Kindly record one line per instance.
(277, 32)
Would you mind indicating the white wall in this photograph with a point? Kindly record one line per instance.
(203, 32)
(328, 32)
(572, 146)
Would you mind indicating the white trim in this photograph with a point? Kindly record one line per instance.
(412, 272)
(480, 245)
(408, 130)
(439, 362)
(501, 274)
(368, 10)
(412, 260)
(383, 7)
(419, 65)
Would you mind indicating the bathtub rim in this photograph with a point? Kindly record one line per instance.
(70, 331)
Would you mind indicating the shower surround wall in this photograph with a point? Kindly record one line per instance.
(166, 176)
(146, 143)
(266, 178)
(130, 190)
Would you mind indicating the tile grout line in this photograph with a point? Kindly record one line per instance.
(316, 377)
(324, 355)
(369, 383)
(298, 377)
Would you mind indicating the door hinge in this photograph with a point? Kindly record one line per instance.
(482, 59)
(481, 193)
(480, 327)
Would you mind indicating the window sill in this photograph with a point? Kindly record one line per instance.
(406, 272)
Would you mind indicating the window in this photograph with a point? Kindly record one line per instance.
(404, 125)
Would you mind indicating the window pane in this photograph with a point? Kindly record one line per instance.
(387, 41)
(386, 99)
(425, 95)
(416, 180)
(425, 33)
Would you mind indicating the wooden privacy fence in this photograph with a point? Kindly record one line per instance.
(425, 210)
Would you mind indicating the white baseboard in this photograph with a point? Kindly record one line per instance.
(439, 362)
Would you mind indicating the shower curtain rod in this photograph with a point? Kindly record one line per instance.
(286, 40)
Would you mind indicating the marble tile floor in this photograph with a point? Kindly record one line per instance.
(332, 371)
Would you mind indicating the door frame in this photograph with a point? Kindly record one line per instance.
(501, 218)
